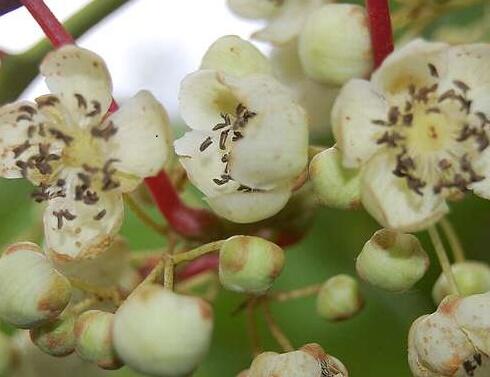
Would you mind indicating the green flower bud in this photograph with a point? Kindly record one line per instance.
(56, 338)
(309, 361)
(393, 261)
(335, 185)
(328, 53)
(249, 264)
(94, 340)
(31, 290)
(471, 277)
(160, 333)
(339, 298)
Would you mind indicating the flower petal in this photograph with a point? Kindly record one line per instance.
(202, 98)
(86, 230)
(482, 166)
(410, 65)
(141, 143)
(233, 55)
(250, 207)
(388, 199)
(81, 80)
(253, 8)
(274, 148)
(288, 21)
(353, 113)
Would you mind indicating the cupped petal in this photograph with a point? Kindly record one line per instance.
(140, 137)
(389, 200)
(81, 80)
(288, 21)
(233, 55)
(249, 207)
(201, 157)
(203, 97)
(274, 148)
(354, 114)
(254, 8)
(419, 63)
(75, 230)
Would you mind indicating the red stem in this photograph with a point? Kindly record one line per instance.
(379, 20)
(187, 221)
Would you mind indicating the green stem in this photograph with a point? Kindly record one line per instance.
(17, 71)
(143, 216)
(197, 252)
(443, 259)
(453, 240)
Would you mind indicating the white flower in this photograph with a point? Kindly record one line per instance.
(81, 159)
(285, 17)
(249, 139)
(419, 131)
(454, 341)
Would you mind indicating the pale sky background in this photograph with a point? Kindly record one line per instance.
(147, 44)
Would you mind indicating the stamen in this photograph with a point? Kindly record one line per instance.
(21, 149)
(97, 109)
(100, 215)
(393, 115)
(237, 135)
(225, 178)
(461, 85)
(390, 138)
(28, 109)
(47, 101)
(105, 133)
(82, 102)
(379, 122)
(59, 135)
(226, 123)
(222, 139)
(24, 117)
(433, 70)
(63, 214)
(205, 144)
(407, 120)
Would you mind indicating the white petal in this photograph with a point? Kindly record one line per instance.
(232, 55)
(482, 167)
(203, 166)
(202, 98)
(275, 144)
(84, 236)
(253, 8)
(81, 80)
(287, 23)
(142, 141)
(389, 200)
(410, 65)
(250, 207)
(353, 113)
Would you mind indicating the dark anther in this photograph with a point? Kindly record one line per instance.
(444, 164)
(47, 101)
(423, 93)
(393, 115)
(28, 109)
(461, 86)
(21, 149)
(82, 102)
(24, 117)
(205, 144)
(483, 118)
(84, 178)
(225, 157)
(100, 215)
(379, 122)
(225, 178)
(408, 106)
(104, 133)
(96, 110)
(415, 184)
(60, 183)
(226, 123)
(90, 169)
(64, 213)
(391, 139)
(466, 167)
(22, 165)
(222, 139)
(243, 115)
(433, 70)
(59, 135)
(90, 197)
(407, 119)
(30, 131)
(450, 94)
(477, 358)
(237, 135)
(40, 194)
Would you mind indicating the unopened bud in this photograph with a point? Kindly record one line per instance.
(249, 264)
(454, 341)
(309, 361)
(161, 333)
(328, 53)
(31, 290)
(392, 260)
(56, 338)
(339, 298)
(94, 339)
(335, 185)
(471, 277)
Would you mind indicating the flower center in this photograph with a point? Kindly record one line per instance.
(435, 137)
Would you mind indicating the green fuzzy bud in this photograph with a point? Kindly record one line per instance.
(392, 261)
(56, 338)
(335, 185)
(471, 277)
(31, 290)
(249, 264)
(328, 53)
(160, 333)
(94, 339)
(339, 298)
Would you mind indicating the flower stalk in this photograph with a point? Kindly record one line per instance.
(380, 27)
(453, 239)
(276, 331)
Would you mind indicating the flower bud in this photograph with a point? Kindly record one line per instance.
(249, 264)
(94, 340)
(339, 298)
(335, 185)
(160, 333)
(56, 338)
(328, 53)
(31, 290)
(453, 341)
(393, 261)
(471, 277)
(309, 361)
